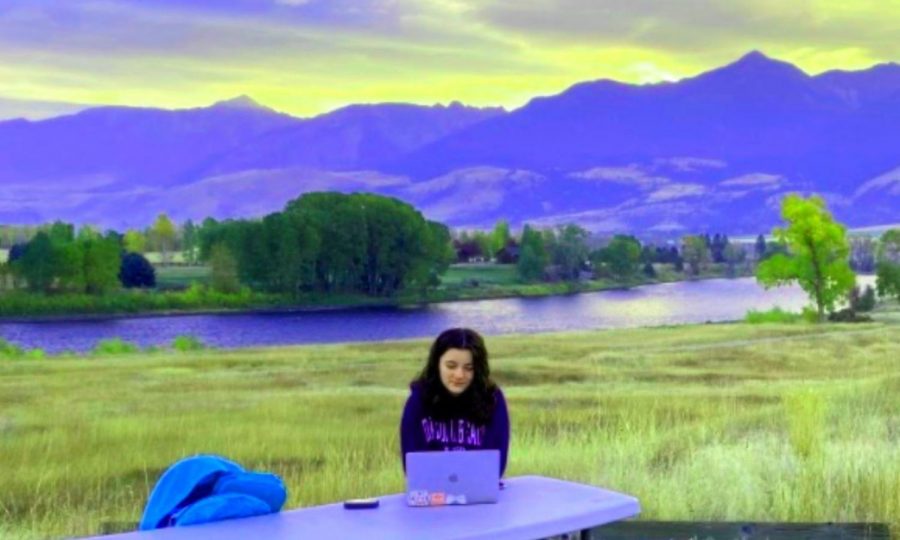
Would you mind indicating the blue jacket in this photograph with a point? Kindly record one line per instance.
(206, 488)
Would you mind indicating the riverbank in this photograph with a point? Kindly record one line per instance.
(21, 307)
(730, 422)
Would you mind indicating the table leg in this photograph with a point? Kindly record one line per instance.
(585, 534)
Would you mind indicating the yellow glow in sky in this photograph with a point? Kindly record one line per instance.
(312, 56)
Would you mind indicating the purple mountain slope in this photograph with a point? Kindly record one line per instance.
(354, 137)
(858, 88)
(127, 145)
(754, 109)
(755, 118)
(714, 152)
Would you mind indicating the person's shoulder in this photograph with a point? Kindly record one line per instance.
(498, 393)
(416, 388)
(416, 392)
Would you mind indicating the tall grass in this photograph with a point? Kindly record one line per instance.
(774, 315)
(722, 422)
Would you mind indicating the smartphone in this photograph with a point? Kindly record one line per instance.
(355, 504)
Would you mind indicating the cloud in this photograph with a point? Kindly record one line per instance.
(689, 164)
(889, 181)
(302, 59)
(310, 56)
(676, 191)
(633, 174)
(620, 217)
(704, 28)
(36, 109)
(760, 180)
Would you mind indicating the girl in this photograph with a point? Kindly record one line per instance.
(454, 404)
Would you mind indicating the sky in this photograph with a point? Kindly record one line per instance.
(306, 57)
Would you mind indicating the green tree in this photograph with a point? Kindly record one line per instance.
(887, 270)
(223, 271)
(102, 262)
(163, 235)
(61, 233)
(500, 236)
(208, 235)
(37, 266)
(341, 220)
(135, 241)
(395, 230)
(87, 232)
(297, 252)
(5, 276)
(621, 257)
(887, 279)
(70, 265)
(485, 243)
(695, 253)
(439, 253)
(889, 246)
(532, 256)
(570, 251)
(189, 242)
(818, 257)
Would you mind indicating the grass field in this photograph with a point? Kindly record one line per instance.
(179, 277)
(707, 422)
(487, 273)
(155, 257)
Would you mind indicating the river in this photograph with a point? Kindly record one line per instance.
(684, 302)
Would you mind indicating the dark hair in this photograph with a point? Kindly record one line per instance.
(477, 402)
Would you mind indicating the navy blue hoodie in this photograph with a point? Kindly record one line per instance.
(420, 432)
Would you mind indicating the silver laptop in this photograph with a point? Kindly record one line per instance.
(455, 477)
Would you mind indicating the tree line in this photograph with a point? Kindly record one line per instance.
(379, 246)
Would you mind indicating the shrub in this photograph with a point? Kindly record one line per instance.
(888, 279)
(774, 315)
(9, 350)
(187, 343)
(36, 354)
(114, 346)
(848, 315)
(136, 271)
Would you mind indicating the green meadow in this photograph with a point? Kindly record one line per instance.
(173, 277)
(762, 422)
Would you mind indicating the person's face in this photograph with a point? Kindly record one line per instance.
(457, 370)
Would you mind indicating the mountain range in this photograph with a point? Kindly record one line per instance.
(714, 152)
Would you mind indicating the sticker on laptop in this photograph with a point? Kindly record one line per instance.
(456, 499)
(418, 498)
